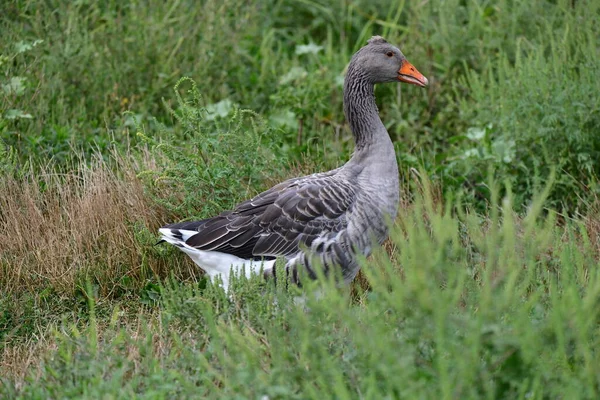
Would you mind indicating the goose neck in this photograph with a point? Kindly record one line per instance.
(361, 111)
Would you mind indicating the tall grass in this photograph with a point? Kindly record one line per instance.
(538, 113)
(285, 59)
(505, 307)
(60, 228)
(486, 288)
(98, 220)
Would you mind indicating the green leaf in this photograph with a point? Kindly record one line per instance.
(17, 114)
(22, 46)
(219, 110)
(15, 86)
(294, 74)
(310, 48)
(284, 118)
(475, 133)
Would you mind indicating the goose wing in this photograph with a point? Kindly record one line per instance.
(278, 221)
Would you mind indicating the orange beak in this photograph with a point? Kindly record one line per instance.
(409, 74)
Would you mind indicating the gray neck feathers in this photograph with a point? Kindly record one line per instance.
(360, 108)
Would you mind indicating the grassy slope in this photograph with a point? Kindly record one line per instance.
(461, 305)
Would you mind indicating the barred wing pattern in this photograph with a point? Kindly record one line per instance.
(298, 214)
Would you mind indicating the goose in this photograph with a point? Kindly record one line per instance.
(325, 220)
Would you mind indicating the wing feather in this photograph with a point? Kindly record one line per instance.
(280, 220)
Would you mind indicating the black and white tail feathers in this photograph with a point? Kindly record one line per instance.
(214, 263)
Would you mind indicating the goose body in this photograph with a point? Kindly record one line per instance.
(324, 220)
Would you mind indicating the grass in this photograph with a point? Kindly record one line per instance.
(461, 307)
(487, 288)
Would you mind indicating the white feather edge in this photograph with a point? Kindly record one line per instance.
(216, 263)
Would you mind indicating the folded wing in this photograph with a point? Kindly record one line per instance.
(278, 221)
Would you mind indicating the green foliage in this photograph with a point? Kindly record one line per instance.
(209, 162)
(84, 63)
(8, 159)
(473, 304)
(285, 59)
(537, 115)
(503, 309)
(301, 96)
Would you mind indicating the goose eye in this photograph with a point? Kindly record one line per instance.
(390, 54)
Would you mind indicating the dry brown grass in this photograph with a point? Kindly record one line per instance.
(592, 227)
(17, 361)
(57, 228)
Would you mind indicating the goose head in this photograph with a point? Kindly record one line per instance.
(382, 62)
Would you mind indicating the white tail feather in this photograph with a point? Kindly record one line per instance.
(215, 263)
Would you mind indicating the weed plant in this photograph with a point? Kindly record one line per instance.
(505, 307)
(487, 288)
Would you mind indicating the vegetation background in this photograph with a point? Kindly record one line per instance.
(117, 117)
